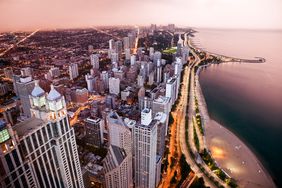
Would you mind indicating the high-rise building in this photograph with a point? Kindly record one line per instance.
(159, 71)
(145, 150)
(178, 66)
(119, 133)
(119, 74)
(73, 71)
(162, 118)
(90, 81)
(132, 59)
(118, 47)
(94, 131)
(8, 72)
(127, 54)
(26, 72)
(162, 104)
(105, 77)
(54, 72)
(118, 168)
(157, 56)
(114, 85)
(114, 57)
(126, 44)
(3, 89)
(185, 54)
(140, 80)
(151, 53)
(171, 27)
(186, 39)
(94, 60)
(111, 44)
(131, 37)
(118, 162)
(41, 151)
(24, 87)
(171, 89)
(153, 27)
(90, 49)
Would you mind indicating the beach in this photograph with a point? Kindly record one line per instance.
(235, 158)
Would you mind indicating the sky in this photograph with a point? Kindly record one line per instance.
(18, 15)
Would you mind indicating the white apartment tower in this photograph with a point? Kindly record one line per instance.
(94, 60)
(114, 85)
(73, 71)
(145, 150)
(90, 81)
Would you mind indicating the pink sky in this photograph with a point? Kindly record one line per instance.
(33, 14)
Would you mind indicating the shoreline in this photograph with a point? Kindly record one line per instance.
(235, 157)
(230, 151)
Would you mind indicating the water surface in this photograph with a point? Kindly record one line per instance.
(247, 98)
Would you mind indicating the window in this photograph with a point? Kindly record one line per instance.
(9, 162)
(4, 135)
(16, 158)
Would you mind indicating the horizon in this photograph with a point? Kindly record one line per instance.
(196, 29)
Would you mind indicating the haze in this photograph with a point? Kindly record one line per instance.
(44, 14)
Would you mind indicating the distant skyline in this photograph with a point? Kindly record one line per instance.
(18, 15)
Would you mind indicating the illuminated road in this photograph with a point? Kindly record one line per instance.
(174, 146)
(190, 159)
(184, 148)
(87, 106)
(136, 42)
(14, 45)
(104, 32)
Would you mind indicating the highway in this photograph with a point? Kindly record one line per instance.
(182, 136)
(104, 32)
(136, 42)
(14, 45)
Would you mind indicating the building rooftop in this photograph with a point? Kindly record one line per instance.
(160, 116)
(118, 153)
(162, 99)
(28, 126)
(53, 94)
(37, 90)
(171, 80)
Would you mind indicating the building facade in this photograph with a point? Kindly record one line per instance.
(41, 151)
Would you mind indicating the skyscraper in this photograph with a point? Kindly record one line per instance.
(145, 150)
(118, 162)
(41, 151)
(162, 104)
(117, 166)
(159, 71)
(105, 77)
(111, 44)
(126, 44)
(24, 86)
(94, 131)
(171, 89)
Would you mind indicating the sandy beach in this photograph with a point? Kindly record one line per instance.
(236, 158)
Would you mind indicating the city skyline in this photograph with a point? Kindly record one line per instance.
(254, 14)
